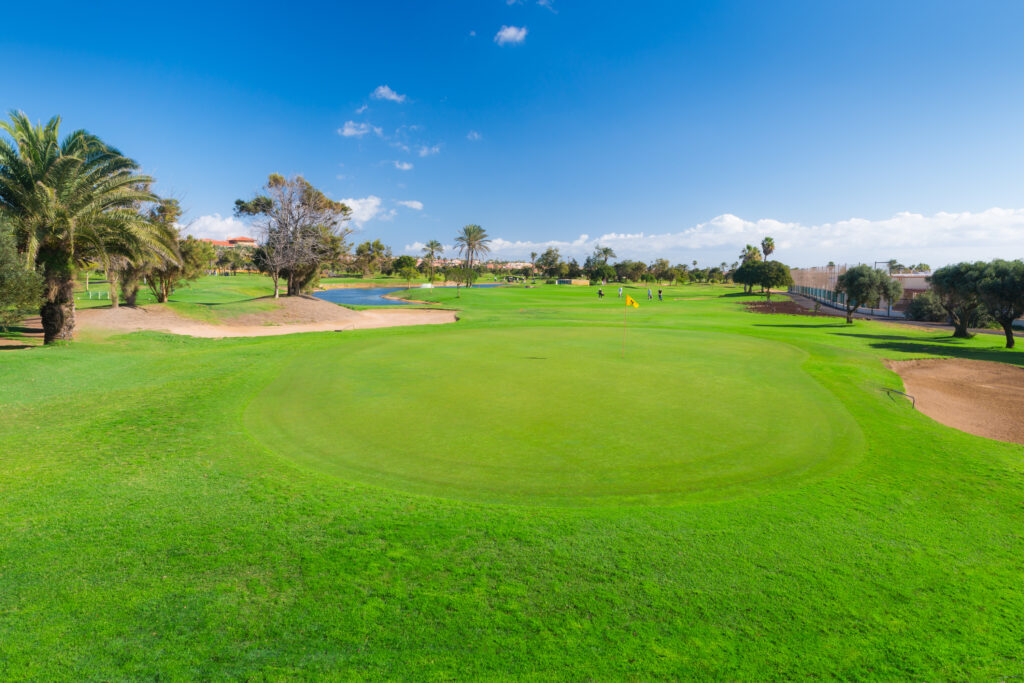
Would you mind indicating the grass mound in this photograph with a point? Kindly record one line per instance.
(561, 419)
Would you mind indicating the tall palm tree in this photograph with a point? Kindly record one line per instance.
(431, 250)
(472, 241)
(767, 247)
(750, 253)
(604, 253)
(66, 199)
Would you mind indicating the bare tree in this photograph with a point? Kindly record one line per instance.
(299, 231)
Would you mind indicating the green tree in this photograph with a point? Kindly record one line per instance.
(1001, 289)
(767, 247)
(163, 220)
(64, 199)
(402, 262)
(472, 241)
(431, 250)
(748, 274)
(774, 274)
(866, 286)
(192, 259)
(369, 256)
(549, 262)
(957, 288)
(21, 288)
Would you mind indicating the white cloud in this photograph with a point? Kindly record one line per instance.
(403, 165)
(473, 136)
(362, 109)
(365, 209)
(908, 237)
(383, 92)
(510, 35)
(449, 250)
(425, 151)
(412, 204)
(351, 129)
(548, 4)
(472, 34)
(214, 226)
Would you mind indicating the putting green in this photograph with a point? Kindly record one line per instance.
(556, 416)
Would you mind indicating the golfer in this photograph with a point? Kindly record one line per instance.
(620, 292)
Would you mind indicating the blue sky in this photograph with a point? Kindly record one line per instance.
(849, 131)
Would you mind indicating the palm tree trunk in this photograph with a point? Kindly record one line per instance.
(58, 309)
(112, 285)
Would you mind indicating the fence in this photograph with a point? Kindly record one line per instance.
(819, 283)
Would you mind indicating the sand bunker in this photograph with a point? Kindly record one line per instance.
(294, 314)
(978, 397)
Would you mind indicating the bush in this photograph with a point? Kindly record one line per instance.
(550, 281)
(21, 289)
(926, 307)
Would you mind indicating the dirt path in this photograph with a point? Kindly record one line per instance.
(295, 314)
(979, 397)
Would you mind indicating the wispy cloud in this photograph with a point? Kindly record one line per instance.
(473, 136)
(362, 109)
(426, 151)
(412, 204)
(403, 165)
(351, 129)
(383, 92)
(510, 35)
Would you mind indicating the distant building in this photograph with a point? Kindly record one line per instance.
(231, 242)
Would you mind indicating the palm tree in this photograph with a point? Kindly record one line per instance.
(67, 199)
(767, 246)
(604, 253)
(750, 253)
(431, 251)
(472, 241)
(533, 263)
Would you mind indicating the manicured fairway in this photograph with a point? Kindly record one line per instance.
(503, 498)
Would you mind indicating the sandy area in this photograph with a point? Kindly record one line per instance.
(978, 397)
(295, 314)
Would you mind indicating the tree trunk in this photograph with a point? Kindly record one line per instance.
(277, 285)
(1008, 331)
(58, 311)
(960, 327)
(849, 315)
(112, 286)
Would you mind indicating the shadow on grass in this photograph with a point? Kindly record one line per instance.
(25, 336)
(802, 325)
(936, 347)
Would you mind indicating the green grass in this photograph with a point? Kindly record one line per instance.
(738, 498)
(211, 298)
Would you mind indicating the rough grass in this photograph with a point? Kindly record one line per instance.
(146, 532)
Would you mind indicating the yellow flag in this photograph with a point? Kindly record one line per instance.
(630, 301)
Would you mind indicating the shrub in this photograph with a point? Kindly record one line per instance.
(926, 307)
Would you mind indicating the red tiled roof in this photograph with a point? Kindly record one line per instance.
(216, 243)
(241, 239)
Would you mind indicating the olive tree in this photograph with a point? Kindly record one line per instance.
(866, 286)
(1001, 290)
(957, 288)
